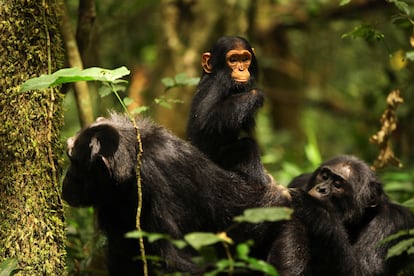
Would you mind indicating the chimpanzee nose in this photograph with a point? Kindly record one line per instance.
(322, 189)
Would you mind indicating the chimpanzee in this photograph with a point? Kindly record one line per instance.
(221, 120)
(341, 215)
(183, 191)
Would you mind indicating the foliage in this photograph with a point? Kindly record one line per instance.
(166, 102)
(365, 31)
(179, 80)
(8, 267)
(204, 242)
(404, 245)
(69, 75)
(257, 215)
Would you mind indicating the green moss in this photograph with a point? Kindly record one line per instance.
(31, 213)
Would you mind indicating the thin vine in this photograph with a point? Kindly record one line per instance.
(139, 184)
(52, 96)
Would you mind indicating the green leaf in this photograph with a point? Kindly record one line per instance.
(398, 235)
(200, 239)
(311, 148)
(221, 266)
(400, 247)
(409, 55)
(8, 266)
(69, 75)
(168, 82)
(409, 203)
(192, 81)
(257, 215)
(104, 91)
(260, 265)
(364, 31)
(150, 236)
(344, 2)
(180, 244)
(402, 6)
(162, 102)
(181, 78)
(313, 154)
(243, 250)
(128, 101)
(394, 186)
(140, 109)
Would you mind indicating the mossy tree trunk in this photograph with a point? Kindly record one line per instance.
(31, 213)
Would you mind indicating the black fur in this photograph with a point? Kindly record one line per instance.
(222, 111)
(183, 191)
(340, 232)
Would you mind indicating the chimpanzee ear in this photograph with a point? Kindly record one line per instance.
(376, 194)
(97, 159)
(205, 62)
(103, 145)
(95, 147)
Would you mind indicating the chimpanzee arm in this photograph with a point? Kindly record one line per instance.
(329, 246)
(390, 219)
(215, 111)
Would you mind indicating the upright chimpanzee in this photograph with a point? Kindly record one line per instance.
(221, 120)
(183, 191)
(341, 215)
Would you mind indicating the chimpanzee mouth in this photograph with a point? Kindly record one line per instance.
(240, 87)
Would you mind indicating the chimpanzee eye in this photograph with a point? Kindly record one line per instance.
(337, 183)
(325, 174)
(233, 59)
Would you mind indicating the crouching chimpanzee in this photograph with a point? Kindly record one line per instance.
(221, 120)
(341, 215)
(183, 191)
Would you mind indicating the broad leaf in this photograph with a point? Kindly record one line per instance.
(69, 75)
(401, 247)
(257, 215)
(199, 239)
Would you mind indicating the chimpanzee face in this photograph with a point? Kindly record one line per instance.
(331, 181)
(232, 57)
(89, 153)
(239, 61)
(347, 184)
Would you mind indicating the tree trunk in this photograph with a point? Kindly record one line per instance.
(31, 213)
(81, 89)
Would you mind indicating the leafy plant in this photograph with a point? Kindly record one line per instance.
(270, 214)
(204, 242)
(179, 80)
(365, 31)
(69, 75)
(167, 102)
(405, 245)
